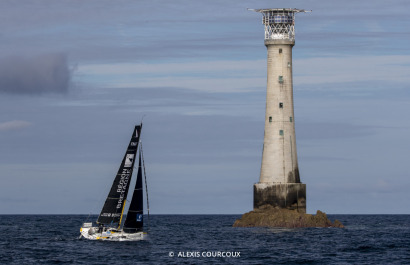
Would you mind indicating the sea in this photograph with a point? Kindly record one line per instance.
(207, 239)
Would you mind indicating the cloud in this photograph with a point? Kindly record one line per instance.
(13, 125)
(391, 68)
(34, 75)
(348, 73)
(332, 130)
(210, 76)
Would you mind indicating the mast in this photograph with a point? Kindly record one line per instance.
(113, 208)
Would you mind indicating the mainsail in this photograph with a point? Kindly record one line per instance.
(114, 204)
(134, 221)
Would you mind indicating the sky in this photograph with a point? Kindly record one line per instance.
(76, 76)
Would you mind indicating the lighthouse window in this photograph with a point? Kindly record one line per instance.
(281, 132)
(290, 119)
(270, 119)
(280, 79)
(280, 50)
(281, 105)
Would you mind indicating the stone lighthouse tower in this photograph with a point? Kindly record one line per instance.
(279, 183)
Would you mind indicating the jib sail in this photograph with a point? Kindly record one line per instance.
(134, 221)
(114, 204)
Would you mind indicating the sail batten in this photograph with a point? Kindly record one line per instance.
(113, 207)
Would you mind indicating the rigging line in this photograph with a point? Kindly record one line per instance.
(146, 186)
(97, 204)
(143, 118)
(86, 220)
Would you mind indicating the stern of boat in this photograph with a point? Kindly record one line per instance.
(87, 230)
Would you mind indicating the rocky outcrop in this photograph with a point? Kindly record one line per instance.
(268, 216)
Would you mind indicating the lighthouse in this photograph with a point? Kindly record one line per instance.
(279, 183)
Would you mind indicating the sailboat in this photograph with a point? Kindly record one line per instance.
(110, 225)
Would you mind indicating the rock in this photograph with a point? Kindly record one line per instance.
(337, 223)
(268, 216)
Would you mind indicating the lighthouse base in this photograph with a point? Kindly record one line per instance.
(290, 196)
